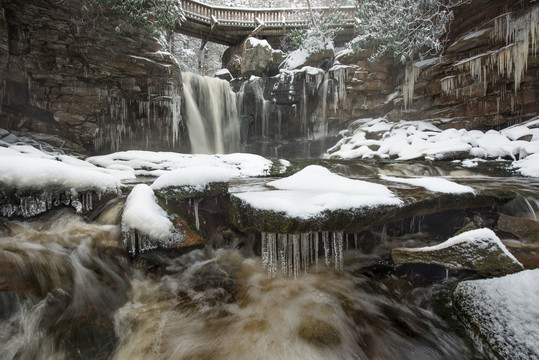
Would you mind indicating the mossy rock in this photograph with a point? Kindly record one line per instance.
(477, 250)
(177, 193)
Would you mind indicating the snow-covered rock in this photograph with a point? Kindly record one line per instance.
(145, 225)
(409, 140)
(32, 182)
(195, 182)
(149, 163)
(313, 198)
(502, 314)
(478, 250)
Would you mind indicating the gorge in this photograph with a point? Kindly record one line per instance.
(322, 206)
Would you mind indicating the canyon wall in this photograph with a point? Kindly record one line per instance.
(72, 74)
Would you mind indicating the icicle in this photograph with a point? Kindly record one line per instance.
(283, 252)
(197, 219)
(304, 251)
(325, 240)
(297, 254)
(264, 250)
(272, 255)
(315, 241)
(338, 250)
(410, 76)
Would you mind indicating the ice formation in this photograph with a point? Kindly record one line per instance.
(289, 254)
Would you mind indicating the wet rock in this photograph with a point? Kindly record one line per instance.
(501, 314)
(224, 74)
(319, 333)
(83, 82)
(185, 192)
(521, 228)
(477, 250)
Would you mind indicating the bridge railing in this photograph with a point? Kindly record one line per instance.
(271, 18)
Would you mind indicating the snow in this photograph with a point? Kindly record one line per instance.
(198, 177)
(222, 72)
(475, 34)
(254, 42)
(407, 140)
(528, 166)
(37, 173)
(426, 62)
(142, 213)
(505, 312)
(482, 237)
(149, 163)
(315, 189)
(435, 184)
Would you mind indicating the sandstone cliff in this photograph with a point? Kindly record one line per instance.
(67, 73)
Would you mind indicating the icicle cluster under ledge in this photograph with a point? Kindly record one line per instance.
(32, 205)
(293, 252)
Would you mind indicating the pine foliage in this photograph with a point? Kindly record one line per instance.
(405, 29)
(152, 14)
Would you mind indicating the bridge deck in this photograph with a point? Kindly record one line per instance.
(230, 26)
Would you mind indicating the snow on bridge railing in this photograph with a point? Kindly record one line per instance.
(270, 17)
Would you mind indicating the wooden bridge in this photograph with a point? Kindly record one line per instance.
(230, 26)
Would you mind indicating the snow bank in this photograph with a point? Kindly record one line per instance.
(149, 163)
(314, 190)
(435, 184)
(142, 213)
(407, 140)
(38, 173)
(197, 177)
(504, 310)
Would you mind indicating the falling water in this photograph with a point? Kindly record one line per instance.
(211, 115)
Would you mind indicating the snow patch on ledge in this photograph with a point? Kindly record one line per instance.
(435, 184)
(314, 190)
(35, 173)
(142, 213)
(196, 177)
(482, 236)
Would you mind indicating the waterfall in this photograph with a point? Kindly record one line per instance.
(211, 115)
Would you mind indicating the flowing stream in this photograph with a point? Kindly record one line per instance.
(73, 293)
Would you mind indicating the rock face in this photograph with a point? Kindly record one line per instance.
(478, 250)
(480, 81)
(63, 74)
(502, 314)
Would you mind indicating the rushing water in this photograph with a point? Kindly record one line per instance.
(70, 292)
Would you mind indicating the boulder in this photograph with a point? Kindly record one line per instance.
(257, 56)
(477, 250)
(521, 228)
(502, 314)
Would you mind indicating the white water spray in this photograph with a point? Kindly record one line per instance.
(211, 115)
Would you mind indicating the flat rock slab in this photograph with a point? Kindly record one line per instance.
(315, 199)
(478, 250)
(503, 313)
